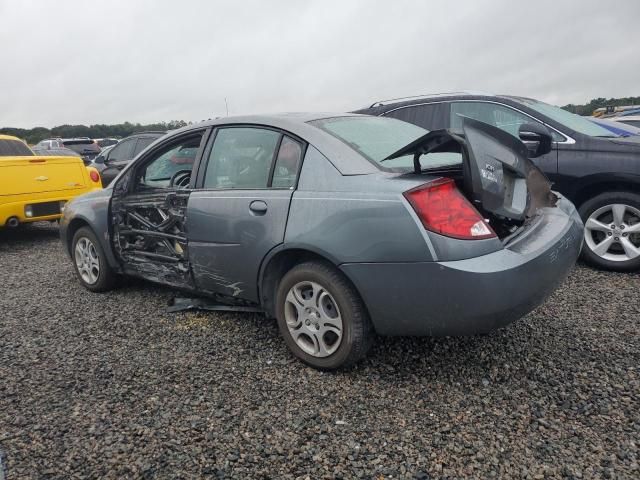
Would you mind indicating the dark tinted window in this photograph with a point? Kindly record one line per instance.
(106, 142)
(142, 144)
(241, 158)
(287, 163)
(123, 150)
(10, 148)
(432, 116)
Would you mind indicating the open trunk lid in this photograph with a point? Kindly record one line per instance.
(498, 175)
(38, 174)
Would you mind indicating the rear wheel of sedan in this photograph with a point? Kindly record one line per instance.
(322, 317)
(90, 263)
(612, 231)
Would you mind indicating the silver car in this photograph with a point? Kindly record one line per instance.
(340, 226)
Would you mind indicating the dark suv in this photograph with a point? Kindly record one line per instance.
(118, 156)
(595, 168)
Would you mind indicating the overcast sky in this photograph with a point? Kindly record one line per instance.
(87, 62)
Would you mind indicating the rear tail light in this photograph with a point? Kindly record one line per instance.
(443, 209)
(94, 176)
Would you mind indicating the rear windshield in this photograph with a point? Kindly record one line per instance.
(375, 138)
(56, 152)
(82, 146)
(14, 148)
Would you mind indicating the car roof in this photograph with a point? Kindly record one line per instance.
(9, 137)
(343, 157)
(445, 97)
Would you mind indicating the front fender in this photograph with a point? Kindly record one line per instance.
(91, 209)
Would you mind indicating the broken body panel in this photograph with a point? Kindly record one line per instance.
(497, 173)
(150, 236)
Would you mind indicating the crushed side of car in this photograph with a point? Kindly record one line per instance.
(150, 237)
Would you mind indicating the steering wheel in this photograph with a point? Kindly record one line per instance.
(180, 179)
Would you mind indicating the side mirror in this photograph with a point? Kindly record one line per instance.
(536, 137)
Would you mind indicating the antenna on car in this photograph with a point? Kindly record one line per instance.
(226, 105)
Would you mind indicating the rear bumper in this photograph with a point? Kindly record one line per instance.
(17, 209)
(476, 295)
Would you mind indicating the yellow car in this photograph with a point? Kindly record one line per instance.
(35, 188)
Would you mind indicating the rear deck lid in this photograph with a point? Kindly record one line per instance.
(498, 174)
(21, 175)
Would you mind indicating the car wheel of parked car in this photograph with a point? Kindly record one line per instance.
(612, 231)
(322, 317)
(90, 263)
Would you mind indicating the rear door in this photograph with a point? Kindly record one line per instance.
(148, 212)
(239, 209)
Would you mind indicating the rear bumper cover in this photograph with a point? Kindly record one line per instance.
(16, 209)
(476, 295)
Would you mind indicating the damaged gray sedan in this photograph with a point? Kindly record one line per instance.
(339, 226)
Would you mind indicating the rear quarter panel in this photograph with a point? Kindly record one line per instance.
(356, 218)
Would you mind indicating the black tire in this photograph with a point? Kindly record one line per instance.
(357, 332)
(591, 206)
(107, 278)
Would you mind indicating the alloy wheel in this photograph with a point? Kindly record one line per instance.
(87, 261)
(313, 319)
(613, 232)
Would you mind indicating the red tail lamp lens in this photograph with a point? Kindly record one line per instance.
(444, 210)
(94, 176)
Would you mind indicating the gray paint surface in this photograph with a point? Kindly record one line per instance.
(227, 241)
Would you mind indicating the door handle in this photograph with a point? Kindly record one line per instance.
(258, 207)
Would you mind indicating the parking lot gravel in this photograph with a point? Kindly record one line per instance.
(112, 386)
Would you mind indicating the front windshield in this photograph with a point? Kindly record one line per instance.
(568, 119)
(375, 138)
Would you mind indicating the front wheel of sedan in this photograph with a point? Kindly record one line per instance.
(322, 317)
(90, 263)
(612, 231)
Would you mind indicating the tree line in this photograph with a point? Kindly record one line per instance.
(120, 130)
(588, 108)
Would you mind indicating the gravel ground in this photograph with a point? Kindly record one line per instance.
(111, 386)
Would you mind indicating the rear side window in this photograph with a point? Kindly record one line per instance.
(432, 116)
(287, 163)
(123, 150)
(141, 145)
(11, 148)
(241, 157)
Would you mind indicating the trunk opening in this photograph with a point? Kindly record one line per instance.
(495, 173)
